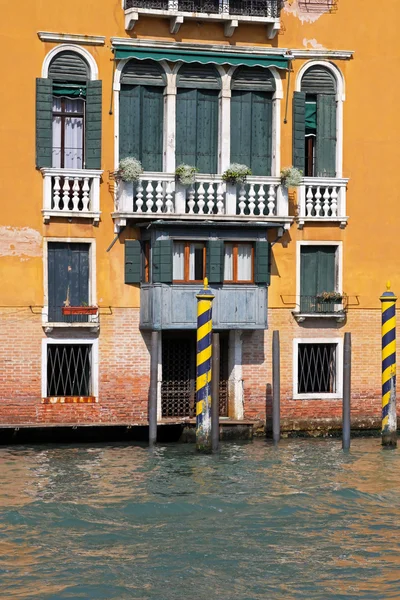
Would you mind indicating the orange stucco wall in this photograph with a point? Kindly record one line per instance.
(371, 133)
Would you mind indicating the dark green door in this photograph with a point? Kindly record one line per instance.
(197, 128)
(317, 274)
(141, 124)
(68, 279)
(251, 130)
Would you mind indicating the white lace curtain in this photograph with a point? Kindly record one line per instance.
(73, 134)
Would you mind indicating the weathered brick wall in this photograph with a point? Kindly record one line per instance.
(364, 326)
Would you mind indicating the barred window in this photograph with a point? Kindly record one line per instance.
(317, 368)
(69, 370)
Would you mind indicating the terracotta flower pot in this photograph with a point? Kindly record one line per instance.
(79, 310)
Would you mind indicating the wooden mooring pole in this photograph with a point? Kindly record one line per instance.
(153, 387)
(389, 415)
(276, 388)
(346, 392)
(215, 392)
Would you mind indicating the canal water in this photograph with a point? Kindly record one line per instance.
(117, 522)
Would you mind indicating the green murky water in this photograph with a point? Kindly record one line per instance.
(119, 522)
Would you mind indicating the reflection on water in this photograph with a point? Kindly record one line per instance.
(255, 522)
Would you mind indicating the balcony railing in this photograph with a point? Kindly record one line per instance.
(314, 306)
(71, 193)
(158, 195)
(231, 12)
(322, 199)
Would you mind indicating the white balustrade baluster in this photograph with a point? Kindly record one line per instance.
(220, 199)
(66, 194)
(200, 199)
(211, 198)
(85, 195)
(75, 193)
(334, 202)
(317, 207)
(139, 196)
(309, 201)
(261, 200)
(168, 199)
(149, 196)
(242, 200)
(159, 196)
(271, 200)
(191, 199)
(326, 206)
(56, 193)
(252, 204)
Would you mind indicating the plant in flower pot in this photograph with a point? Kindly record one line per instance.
(83, 309)
(332, 297)
(186, 174)
(291, 177)
(129, 170)
(236, 173)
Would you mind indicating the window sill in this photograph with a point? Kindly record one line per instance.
(322, 396)
(70, 400)
(92, 326)
(339, 316)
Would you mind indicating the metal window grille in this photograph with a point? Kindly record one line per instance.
(207, 6)
(178, 386)
(69, 370)
(317, 368)
(157, 4)
(256, 8)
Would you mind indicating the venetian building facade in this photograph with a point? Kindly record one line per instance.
(91, 265)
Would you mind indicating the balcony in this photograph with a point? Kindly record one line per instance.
(311, 307)
(229, 12)
(71, 193)
(322, 200)
(159, 196)
(175, 306)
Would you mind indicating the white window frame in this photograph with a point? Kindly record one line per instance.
(339, 265)
(339, 368)
(94, 71)
(224, 117)
(94, 342)
(92, 279)
(340, 98)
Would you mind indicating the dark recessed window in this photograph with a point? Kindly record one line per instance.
(317, 372)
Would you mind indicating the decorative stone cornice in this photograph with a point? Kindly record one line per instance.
(72, 38)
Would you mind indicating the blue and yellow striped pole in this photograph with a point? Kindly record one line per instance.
(389, 416)
(203, 367)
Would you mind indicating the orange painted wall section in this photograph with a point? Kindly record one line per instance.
(371, 147)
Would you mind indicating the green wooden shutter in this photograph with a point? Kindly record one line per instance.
(241, 129)
(308, 270)
(326, 136)
(262, 262)
(215, 261)
(151, 155)
(133, 261)
(326, 274)
(44, 122)
(261, 133)
(162, 261)
(186, 126)
(93, 125)
(299, 130)
(129, 121)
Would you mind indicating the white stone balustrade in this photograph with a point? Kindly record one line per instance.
(71, 193)
(209, 197)
(322, 199)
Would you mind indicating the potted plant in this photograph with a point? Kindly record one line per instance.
(129, 170)
(186, 174)
(333, 297)
(84, 309)
(291, 177)
(236, 173)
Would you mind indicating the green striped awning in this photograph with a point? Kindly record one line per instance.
(202, 57)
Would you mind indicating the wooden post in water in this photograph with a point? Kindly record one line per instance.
(153, 388)
(276, 388)
(389, 415)
(346, 392)
(215, 392)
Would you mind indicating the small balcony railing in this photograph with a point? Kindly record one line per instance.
(71, 193)
(251, 8)
(158, 195)
(317, 306)
(322, 199)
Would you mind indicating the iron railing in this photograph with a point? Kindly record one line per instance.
(317, 368)
(313, 304)
(252, 8)
(69, 370)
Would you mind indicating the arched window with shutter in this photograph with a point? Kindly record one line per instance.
(197, 108)
(141, 113)
(251, 118)
(315, 123)
(68, 114)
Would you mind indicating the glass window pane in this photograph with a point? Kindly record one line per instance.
(178, 261)
(228, 262)
(196, 262)
(244, 262)
(73, 156)
(74, 105)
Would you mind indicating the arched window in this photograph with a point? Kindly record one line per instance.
(141, 113)
(68, 114)
(315, 123)
(251, 118)
(197, 107)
